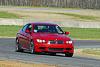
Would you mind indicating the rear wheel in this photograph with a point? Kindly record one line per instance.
(68, 54)
(32, 47)
(18, 46)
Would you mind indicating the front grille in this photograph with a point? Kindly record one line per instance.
(52, 42)
(56, 42)
(59, 42)
(56, 49)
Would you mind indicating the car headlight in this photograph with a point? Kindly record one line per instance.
(69, 42)
(41, 41)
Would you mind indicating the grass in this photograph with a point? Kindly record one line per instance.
(5, 63)
(4, 14)
(83, 33)
(74, 15)
(92, 51)
(76, 33)
(83, 17)
(9, 30)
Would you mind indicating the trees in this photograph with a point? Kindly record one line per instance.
(94, 4)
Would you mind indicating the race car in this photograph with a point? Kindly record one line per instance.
(40, 37)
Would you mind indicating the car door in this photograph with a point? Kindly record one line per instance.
(25, 37)
(21, 35)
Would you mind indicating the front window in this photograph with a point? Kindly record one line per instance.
(48, 29)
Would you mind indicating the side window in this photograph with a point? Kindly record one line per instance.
(27, 26)
(35, 28)
(24, 28)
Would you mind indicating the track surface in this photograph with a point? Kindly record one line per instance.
(7, 51)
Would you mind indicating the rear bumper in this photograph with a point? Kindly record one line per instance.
(54, 48)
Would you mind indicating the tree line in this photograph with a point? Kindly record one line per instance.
(91, 4)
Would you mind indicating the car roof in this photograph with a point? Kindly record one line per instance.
(42, 23)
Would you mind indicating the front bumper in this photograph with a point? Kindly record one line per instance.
(54, 48)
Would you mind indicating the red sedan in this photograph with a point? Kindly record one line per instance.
(44, 37)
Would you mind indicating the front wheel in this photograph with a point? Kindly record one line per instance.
(18, 46)
(68, 54)
(32, 48)
(53, 54)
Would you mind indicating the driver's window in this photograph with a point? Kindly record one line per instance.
(28, 26)
(35, 28)
(24, 28)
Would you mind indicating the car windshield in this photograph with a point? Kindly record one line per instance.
(48, 29)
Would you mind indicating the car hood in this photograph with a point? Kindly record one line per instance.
(53, 36)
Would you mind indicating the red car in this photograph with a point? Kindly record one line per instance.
(44, 37)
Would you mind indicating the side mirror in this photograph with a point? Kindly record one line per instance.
(27, 31)
(67, 33)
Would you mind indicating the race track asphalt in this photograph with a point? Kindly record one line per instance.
(7, 52)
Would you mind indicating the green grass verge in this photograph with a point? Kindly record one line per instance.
(84, 33)
(9, 30)
(92, 51)
(4, 14)
(76, 33)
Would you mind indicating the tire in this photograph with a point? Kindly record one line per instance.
(32, 47)
(18, 46)
(53, 54)
(68, 54)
